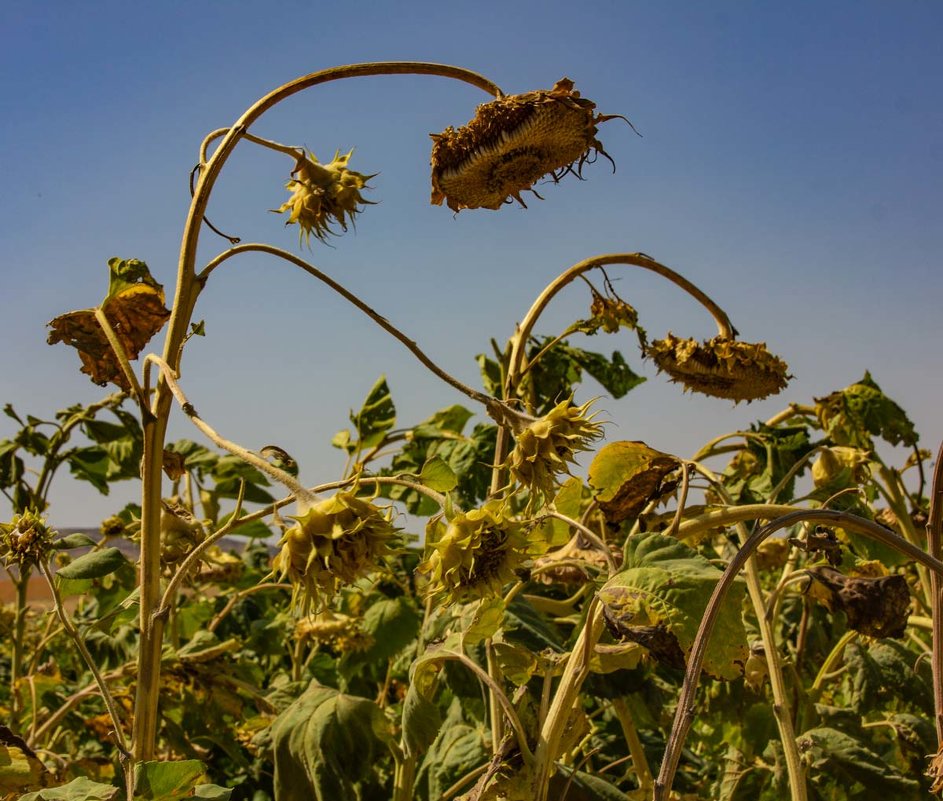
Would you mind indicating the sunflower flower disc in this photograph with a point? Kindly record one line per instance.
(512, 143)
(720, 367)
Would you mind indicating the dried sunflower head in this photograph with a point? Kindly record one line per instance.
(720, 367)
(25, 540)
(478, 553)
(335, 542)
(322, 194)
(612, 313)
(180, 532)
(546, 447)
(510, 144)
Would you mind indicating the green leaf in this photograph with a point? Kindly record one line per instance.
(393, 623)
(437, 475)
(485, 619)
(77, 540)
(325, 743)
(164, 781)
(458, 749)
(449, 420)
(580, 786)
(662, 593)
(852, 415)
(20, 768)
(212, 791)
(628, 475)
(90, 464)
(376, 416)
(11, 465)
(835, 756)
(80, 789)
(254, 529)
(421, 717)
(94, 564)
(768, 454)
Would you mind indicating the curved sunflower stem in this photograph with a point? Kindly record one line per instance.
(684, 715)
(636, 752)
(187, 290)
(525, 328)
(381, 321)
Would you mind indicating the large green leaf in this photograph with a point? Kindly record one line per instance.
(767, 456)
(80, 789)
(325, 743)
(660, 596)
(837, 758)
(458, 749)
(392, 623)
(166, 781)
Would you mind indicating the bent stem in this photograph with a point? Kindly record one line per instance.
(525, 328)
(155, 425)
(684, 714)
(381, 321)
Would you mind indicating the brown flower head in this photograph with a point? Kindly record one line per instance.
(720, 367)
(547, 447)
(322, 194)
(510, 144)
(335, 542)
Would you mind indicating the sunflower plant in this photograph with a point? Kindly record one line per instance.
(583, 617)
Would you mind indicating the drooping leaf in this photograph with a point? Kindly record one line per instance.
(94, 564)
(134, 307)
(377, 415)
(392, 623)
(212, 792)
(628, 475)
(768, 454)
(325, 743)
(659, 598)
(77, 540)
(421, 716)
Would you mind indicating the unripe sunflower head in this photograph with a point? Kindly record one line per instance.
(720, 367)
(545, 448)
(335, 542)
(478, 554)
(180, 532)
(510, 144)
(322, 194)
(25, 540)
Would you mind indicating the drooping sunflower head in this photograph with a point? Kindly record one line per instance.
(338, 631)
(479, 552)
(510, 144)
(335, 542)
(25, 540)
(545, 449)
(720, 367)
(322, 194)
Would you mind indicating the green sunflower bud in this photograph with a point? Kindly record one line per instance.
(335, 542)
(322, 194)
(180, 532)
(479, 553)
(545, 449)
(25, 540)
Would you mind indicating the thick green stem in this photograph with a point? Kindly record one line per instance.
(639, 761)
(155, 424)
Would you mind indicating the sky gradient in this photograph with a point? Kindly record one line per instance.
(790, 164)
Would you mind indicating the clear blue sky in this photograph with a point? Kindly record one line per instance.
(791, 165)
